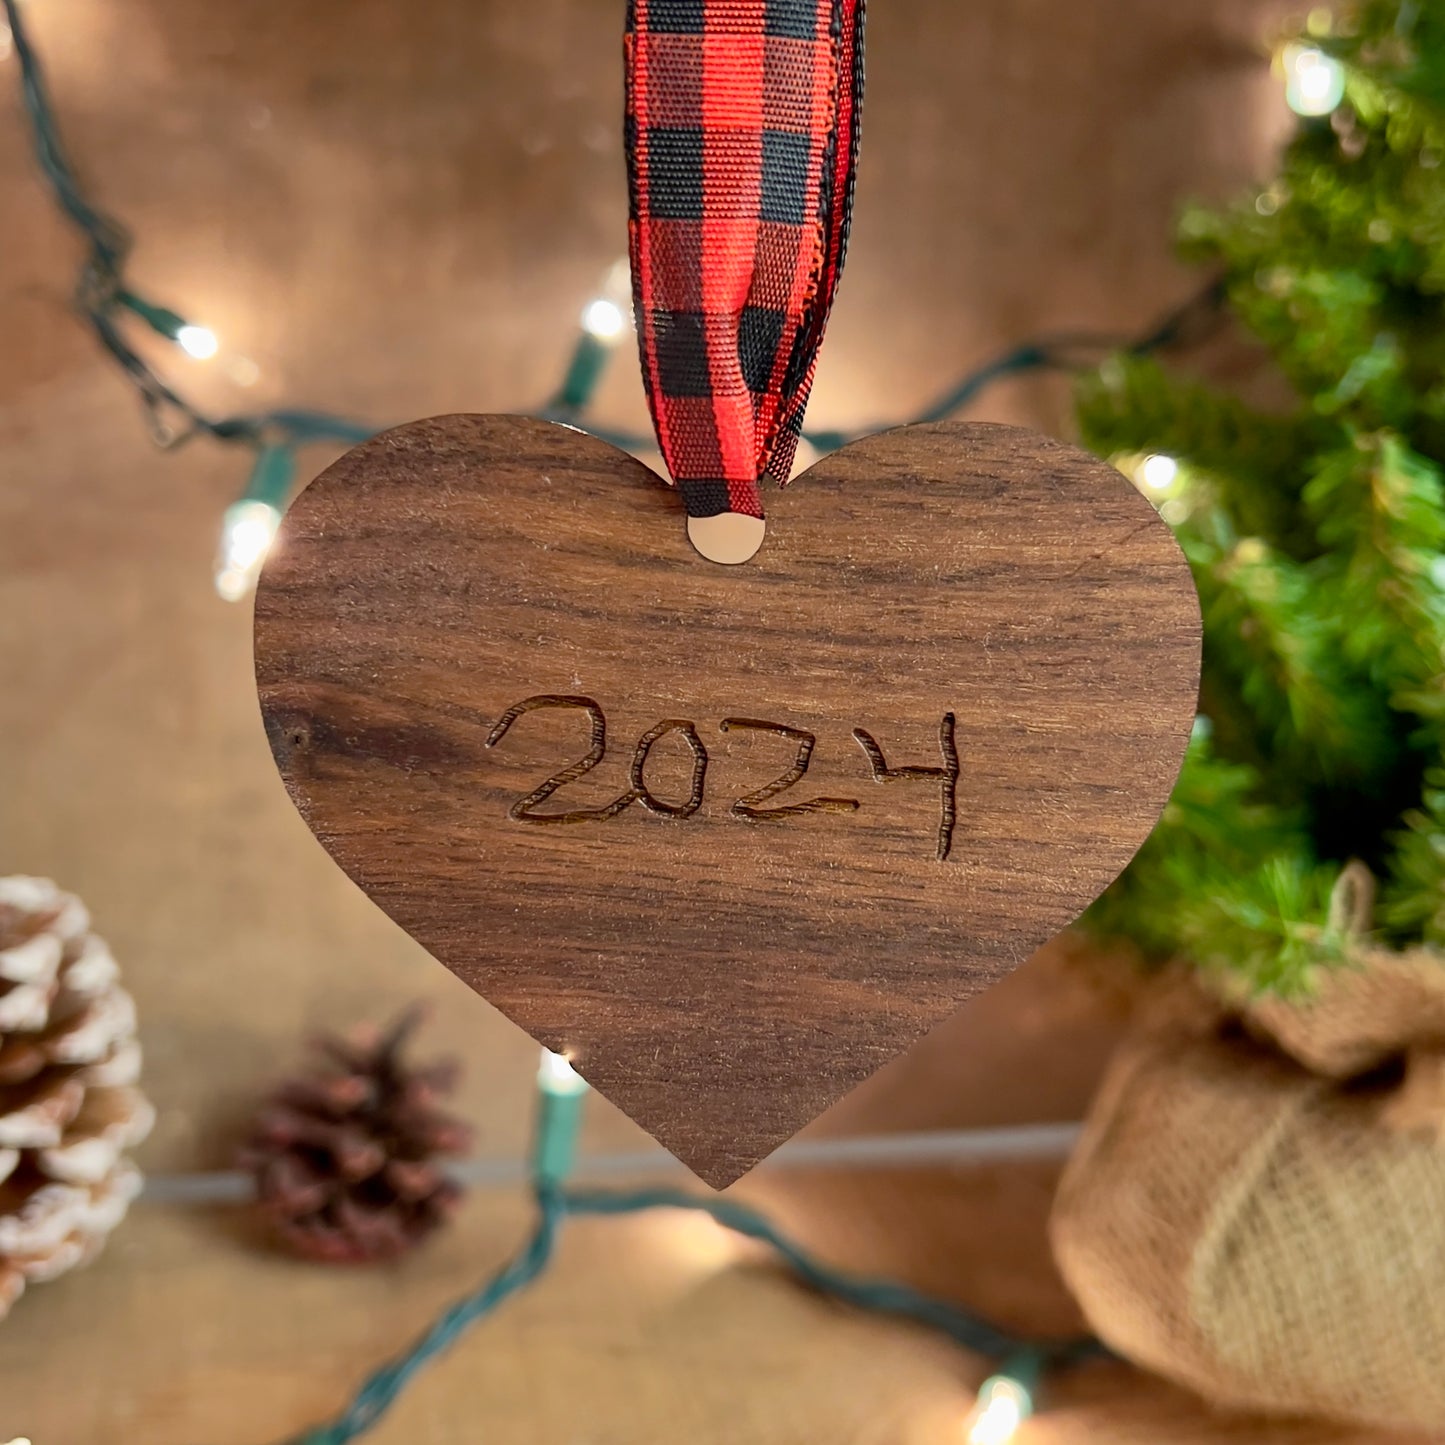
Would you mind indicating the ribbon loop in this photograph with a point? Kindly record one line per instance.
(742, 140)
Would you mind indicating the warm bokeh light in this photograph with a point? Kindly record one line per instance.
(1003, 1405)
(243, 371)
(555, 1075)
(247, 532)
(686, 1247)
(1314, 81)
(198, 341)
(1158, 472)
(604, 319)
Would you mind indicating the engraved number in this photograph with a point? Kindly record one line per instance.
(522, 810)
(641, 791)
(751, 807)
(947, 776)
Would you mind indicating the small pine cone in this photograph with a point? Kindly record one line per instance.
(69, 1109)
(346, 1159)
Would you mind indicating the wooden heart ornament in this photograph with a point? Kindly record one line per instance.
(730, 837)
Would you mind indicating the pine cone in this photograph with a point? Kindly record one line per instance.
(69, 1108)
(346, 1158)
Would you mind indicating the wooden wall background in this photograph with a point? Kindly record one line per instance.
(398, 209)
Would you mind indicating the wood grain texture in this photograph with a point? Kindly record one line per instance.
(466, 614)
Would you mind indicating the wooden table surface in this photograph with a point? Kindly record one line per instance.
(399, 210)
(657, 1328)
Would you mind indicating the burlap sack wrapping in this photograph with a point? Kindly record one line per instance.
(1257, 1207)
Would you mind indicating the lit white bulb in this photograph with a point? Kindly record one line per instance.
(1314, 81)
(604, 319)
(1158, 472)
(555, 1075)
(1003, 1405)
(247, 532)
(198, 341)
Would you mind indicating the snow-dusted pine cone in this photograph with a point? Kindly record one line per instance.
(69, 1108)
(345, 1158)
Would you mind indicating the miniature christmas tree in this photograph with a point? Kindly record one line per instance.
(1315, 531)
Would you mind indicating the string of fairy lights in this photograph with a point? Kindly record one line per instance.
(112, 307)
(1004, 1401)
(1315, 85)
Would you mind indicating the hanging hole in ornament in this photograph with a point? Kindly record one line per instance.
(729, 538)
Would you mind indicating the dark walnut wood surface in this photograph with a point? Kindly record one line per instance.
(730, 837)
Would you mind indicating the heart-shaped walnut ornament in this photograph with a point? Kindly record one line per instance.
(730, 837)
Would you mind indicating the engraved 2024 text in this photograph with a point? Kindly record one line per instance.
(752, 807)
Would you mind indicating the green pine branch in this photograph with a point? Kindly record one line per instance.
(1412, 903)
(1317, 537)
(1379, 511)
(1273, 653)
(1132, 404)
(1227, 879)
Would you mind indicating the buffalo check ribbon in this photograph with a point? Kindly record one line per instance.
(742, 143)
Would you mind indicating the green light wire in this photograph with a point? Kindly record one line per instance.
(104, 298)
(556, 1203)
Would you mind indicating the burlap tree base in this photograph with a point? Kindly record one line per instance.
(1257, 1208)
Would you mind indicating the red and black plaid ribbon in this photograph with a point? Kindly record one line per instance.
(742, 141)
